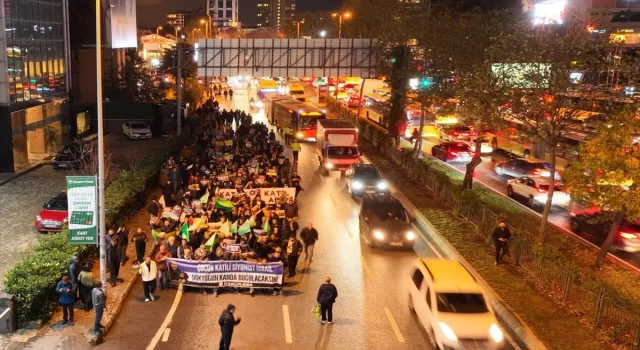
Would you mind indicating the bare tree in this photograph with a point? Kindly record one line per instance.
(88, 164)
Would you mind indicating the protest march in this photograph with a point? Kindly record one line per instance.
(227, 214)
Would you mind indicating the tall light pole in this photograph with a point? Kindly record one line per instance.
(177, 29)
(206, 28)
(297, 23)
(158, 31)
(346, 15)
(101, 201)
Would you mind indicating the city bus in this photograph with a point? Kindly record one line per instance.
(298, 119)
(267, 85)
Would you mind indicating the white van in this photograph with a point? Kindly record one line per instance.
(452, 307)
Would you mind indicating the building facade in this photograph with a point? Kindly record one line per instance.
(34, 84)
(275, 13)
(620, 19)
(224, 13)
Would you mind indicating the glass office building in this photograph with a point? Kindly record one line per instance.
(33, 81)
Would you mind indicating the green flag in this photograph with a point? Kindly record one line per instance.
(252, 222)
(212, 242)
(155, 234)
(204, 199)
(266, 227)
(184, 231)
(244, 229)
(225, 227)
(225, 204)
(234, 227)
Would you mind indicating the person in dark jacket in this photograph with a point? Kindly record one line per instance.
(123, 244)
(290, 209)
(74, 271)
(140, 239)
(227, 322)
(293, 251)
(113, 260)
(99, 301)
(67, 297)
(501, 236)
(327, 295)
(309, 237)
(154, 207)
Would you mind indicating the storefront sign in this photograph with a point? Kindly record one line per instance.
(82, 204)
(239, 274)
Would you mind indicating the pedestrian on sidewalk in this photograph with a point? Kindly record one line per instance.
(227, 322)
(294, 249)
(149, 273)
(113, 260)
(87, 281)
(123, 243)
(74, 271)
(309, 237)
(140, 239)
(327, 295)
(99, 305)
(224, 92)
(230, 94)
(163, 269)
(67, 297)
(501, 236)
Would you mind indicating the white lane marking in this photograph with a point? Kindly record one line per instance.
(394, 325)
(348, 230)
(167, 319)
(287, 324)
(366, 267)
(335, 204)
(165, 335)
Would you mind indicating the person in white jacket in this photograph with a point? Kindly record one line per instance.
(149, 272)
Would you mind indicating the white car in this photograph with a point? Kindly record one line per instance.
(535, 189)
(485, 147)
(452, 306)
(136, 130)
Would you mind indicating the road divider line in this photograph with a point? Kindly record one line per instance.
(394, 325)
(431, 246)
(167, 319)
(335, 204)
(366, 267)
(287, 324)
(165, 335)
(348, 230)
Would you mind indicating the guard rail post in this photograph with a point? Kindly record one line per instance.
(8, 323)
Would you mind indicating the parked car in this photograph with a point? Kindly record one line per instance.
(136, 130)
(452, 307)
(594, 226)
(365, 178)
(385, 223)
(535, 191)
(452, 152)
(54, 214)
(455, 132)
(525, 167)
(72, 156)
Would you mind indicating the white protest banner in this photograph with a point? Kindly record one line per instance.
(269, 195)
(227, 193)
(223, 177)
(252, 192)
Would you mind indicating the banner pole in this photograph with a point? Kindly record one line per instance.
(101, 201)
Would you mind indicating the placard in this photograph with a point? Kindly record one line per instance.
(269, 195)
(82, 209)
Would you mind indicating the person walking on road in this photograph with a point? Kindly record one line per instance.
(163, 269)
(309, 237)
(224, 92)
(149, 272)
(501, 236)
(67, 292)
(230, 94)
(294, 249)
(99, 304)
(140, 240)
(295, 148)
(227, 322)
(327, 295)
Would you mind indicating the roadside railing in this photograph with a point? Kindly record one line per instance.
(584, 299)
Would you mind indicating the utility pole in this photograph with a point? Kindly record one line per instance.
(179, 90)
(101, 178)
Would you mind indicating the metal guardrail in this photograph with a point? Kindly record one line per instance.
(606, 314)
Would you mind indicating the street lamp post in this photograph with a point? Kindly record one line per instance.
(206, 28)
(346, 15)
(297, 23)
(158, 31)
(177, 29)
(101, 178)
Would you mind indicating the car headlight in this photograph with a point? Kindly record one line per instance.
(38, 218)
(496, 333)
(259, 104)
(381, 185)
(378, 235)
(299, 135)
(357, 185)
(448, 332)
(411, 235)
(328, 166)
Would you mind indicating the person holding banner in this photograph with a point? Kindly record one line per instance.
(161, 262)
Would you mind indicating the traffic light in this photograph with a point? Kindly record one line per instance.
(426, 82)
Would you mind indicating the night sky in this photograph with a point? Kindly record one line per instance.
(152, 13)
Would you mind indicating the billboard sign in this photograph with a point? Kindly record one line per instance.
(82, 204)
(549, 12)
(522, 75)
(123, 24)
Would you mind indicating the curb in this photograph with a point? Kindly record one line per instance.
(502, 311)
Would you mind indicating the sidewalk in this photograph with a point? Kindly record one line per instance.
(54, 335)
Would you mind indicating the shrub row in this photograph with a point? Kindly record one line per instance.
(33, 280)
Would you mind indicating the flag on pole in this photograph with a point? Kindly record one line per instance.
(252, 221)
(212, 242)
(244, 229)
(225, 204)
(234, 227)
(266, 227)
(155, 234)
(204, 199)
(225, 228)
(184, 231)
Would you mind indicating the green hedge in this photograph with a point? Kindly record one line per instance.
(33, 280)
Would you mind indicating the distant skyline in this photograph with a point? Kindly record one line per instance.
(152, 13)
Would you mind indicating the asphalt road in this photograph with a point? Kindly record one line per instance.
(368, 281)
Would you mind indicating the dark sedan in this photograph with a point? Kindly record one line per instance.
(594, 227)
(365, 178)
(452, 152)
(384, 223)
(72, 156)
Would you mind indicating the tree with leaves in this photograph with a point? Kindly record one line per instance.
(607, 175)
(136, 82)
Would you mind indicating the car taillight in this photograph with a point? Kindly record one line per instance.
(628, 235)
(65, 220)
(454, 153)
(537, 172)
